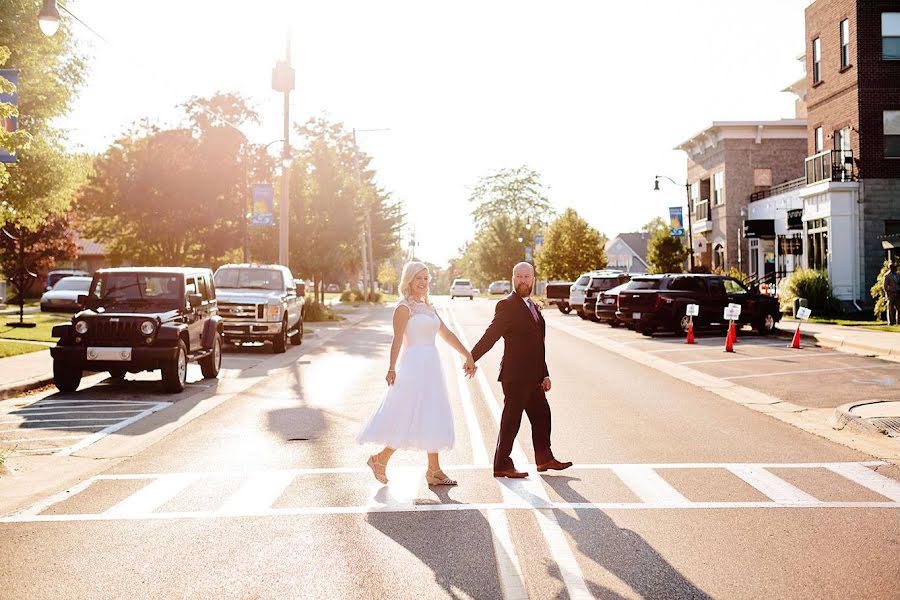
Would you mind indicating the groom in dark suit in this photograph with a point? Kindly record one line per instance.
(523, 374)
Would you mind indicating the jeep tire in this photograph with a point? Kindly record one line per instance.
(211, 364)
(174, 375)
(766, 323)
(297, 338)
(279, 342)
(66, 378)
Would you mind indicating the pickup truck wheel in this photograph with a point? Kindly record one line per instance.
(766, 324)
(118, 374)
(297, 338)
(682, 325)
(648, 331)
(564, 309)
(615, 323)
(211, 364)
(66, 378)
(279, 342)
(582, 314)
(593, 317)
(174, 375)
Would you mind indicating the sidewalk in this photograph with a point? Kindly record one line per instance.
(24, 372)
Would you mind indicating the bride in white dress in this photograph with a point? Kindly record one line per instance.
(415, 412)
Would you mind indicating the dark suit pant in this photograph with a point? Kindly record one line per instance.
(530, 398)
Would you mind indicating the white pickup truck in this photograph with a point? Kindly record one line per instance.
(259, 303)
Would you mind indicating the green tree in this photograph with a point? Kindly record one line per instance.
(51, 73)
(666, 253)
(877, 291)
(515, 192)
(653, 225)
(571, 247)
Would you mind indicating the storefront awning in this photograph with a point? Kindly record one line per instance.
(760, 229)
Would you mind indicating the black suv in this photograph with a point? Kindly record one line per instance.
(142, 319)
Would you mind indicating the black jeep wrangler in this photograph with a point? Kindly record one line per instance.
(142, 319)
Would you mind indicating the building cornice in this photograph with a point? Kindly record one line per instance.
(783, 129)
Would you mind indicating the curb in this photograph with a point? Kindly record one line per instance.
(840, 343)
(20, 388)
(843, 417)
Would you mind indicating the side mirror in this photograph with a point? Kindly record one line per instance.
(195, 300)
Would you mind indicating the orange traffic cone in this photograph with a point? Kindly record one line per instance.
(795, 343)
(729, 338)
(690, 335)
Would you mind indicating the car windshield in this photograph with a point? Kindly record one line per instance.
(583, 280)
(122, 288)
(73, 284)
(462, 282)
(603, 283)
(645, 284)
(254, 279)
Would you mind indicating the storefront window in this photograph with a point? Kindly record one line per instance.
(817, 244)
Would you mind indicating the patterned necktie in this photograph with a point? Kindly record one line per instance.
(532, 308)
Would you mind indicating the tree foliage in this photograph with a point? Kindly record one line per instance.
(571, 247)
(51, 242)
(515, 192)
(666, 253)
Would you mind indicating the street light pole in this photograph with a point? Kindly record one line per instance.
(687, 188)
(283, 81)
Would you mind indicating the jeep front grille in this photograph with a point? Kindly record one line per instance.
(106, 332)
(229, 310)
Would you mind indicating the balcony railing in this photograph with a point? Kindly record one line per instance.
(701, 210)
(830, 165)
(787, 186)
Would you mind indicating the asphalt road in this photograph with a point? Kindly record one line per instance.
(677, 492)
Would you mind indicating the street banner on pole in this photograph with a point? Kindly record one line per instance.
(529, 255)
(676, 221)
(9, 124)
(262, 197)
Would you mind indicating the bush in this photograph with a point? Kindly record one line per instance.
(877, 292)
(812, 285)
(735, 273)
(351, 296)
(316, 312)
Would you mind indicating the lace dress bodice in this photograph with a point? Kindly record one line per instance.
(423, 324)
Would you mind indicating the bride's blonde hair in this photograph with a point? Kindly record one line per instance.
(410, 270)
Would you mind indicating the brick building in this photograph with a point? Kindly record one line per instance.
(851, 200)
(727, 163)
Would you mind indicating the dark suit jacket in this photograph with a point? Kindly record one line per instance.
(523, 337)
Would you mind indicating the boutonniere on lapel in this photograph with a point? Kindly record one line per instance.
(538, 304)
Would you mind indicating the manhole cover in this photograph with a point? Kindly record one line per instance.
(891, 425)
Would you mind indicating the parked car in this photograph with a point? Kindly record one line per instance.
(142, 319)
(654, 302)
(63, 297)
(557, 293)
(260, 303)
(499, 287)
(606, 306)
(586, 287)
(54, 276)
(462, 288)
(600, 282)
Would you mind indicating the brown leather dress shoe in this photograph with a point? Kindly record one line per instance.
(511, 473)
(554, 464)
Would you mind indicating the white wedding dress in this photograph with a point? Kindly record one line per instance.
(415, 412)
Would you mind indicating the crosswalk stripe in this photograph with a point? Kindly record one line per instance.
(647, 485)
(258, 493)
(772, 486)
(870, 479)
(151, 496)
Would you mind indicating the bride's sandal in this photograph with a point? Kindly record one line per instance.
(438, 478)
(379, 469)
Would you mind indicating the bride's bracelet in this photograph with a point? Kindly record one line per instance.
(391, 371)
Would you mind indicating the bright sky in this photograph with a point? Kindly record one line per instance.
(592, 97)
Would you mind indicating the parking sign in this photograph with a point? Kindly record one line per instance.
(693, 310)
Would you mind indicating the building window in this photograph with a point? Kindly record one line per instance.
(845, 44)
(892, 134)
(817, 60)
(719, 188)
(890, 36)
(820, 140)
(719, 257)
(695, 195)
(817, 244)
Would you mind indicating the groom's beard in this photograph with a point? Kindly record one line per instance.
(523, 290)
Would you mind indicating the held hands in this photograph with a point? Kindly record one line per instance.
(545, 385)
(469, 367)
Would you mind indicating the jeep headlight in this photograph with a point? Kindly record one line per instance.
(81, 327)
(147, 328)
(273, 312)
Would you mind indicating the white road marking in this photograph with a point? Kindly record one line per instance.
(774, 487)
(479, 454)
(45, 439)
(798, 371)
(55, 428)
(64, 411)
(704, 347)
(512, 582)
(258, 492)
(649, 486)
(112, 429)
(533, 492)
(85, 401)
(749, 358)
(878, 483)
(151, 496)
(57, 420)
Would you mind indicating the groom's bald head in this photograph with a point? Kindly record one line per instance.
(523, 279)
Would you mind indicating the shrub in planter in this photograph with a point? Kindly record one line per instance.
(812, 285)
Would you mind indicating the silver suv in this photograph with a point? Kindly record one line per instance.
(259, 303)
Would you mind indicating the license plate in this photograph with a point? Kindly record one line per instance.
(110, 354)
(636, 316)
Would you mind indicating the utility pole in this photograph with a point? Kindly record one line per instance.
(368, 258)
(283, 81)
